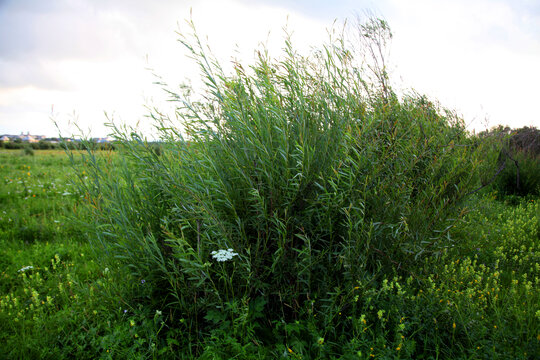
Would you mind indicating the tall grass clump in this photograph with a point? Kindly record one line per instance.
(281, 192)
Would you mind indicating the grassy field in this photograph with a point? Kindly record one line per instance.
(55, 298)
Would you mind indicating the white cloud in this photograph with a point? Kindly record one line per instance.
(91, 56)
(475, 57)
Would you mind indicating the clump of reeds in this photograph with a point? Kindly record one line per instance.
(308, 171)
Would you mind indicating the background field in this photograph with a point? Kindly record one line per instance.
(56, 300)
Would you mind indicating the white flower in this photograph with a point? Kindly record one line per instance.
(223, 255)
(26, 268)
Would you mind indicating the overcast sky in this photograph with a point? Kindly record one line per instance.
(87, 57)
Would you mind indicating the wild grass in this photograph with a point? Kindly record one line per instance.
(56, 301)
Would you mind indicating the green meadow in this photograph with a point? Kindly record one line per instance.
(298, 209)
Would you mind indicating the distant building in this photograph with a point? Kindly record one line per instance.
(106, 139)
(24, 137)
(29, 138)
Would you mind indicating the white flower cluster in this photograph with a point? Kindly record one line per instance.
(26, 268)
(223, 255)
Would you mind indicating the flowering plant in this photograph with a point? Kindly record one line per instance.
(26, 268)
(223, 255)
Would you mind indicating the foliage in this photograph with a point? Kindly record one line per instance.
(48, 145)
(316, 178)
(518, 164)
(69, 305)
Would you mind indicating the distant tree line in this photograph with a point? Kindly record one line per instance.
(47, 145)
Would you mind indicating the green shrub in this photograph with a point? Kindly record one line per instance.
(520, 177)
(517, 170)
(28, 150)
(11, 145)
(292, 181)
(44, 145)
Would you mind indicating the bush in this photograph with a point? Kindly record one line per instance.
(11, 145)
(291, 183)
(44, 145)
(28, 150)
(518, 161)
(525, 140)
(520, 177)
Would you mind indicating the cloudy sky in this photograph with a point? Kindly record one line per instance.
(67, 59)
